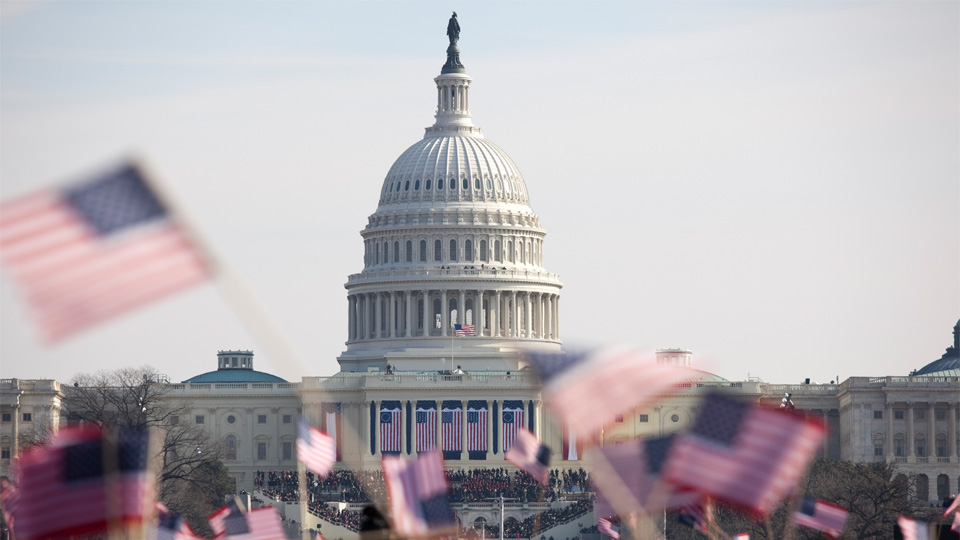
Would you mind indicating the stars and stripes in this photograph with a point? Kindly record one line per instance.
(9, 500)
(698, 515)
(820, 515)
(589, 390)
(231, 522)
(605, 526)
(530, 456)
(426, 426)
(170, 526)
(91, 251)
(956, 523)
(451, 429)
(742, 453)
(315, 449)
(954, 505)
(390, 427)
(465, 329)
(512, 421)
(476, 427)
(913, 529)
(419, 494)
(71, 479)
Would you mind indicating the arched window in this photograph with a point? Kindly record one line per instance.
(941, 445)
(878, 444)
(398, 185)
(943, 487)
(423, 251)
(391, 187)
(465, 184)
(476, 184)
(510, 250)
(489, 185)
(497, 254)
(483, 251)
(453, 250)
(416, 186)
(231, 447)
(406, 186)
(427, 187)
(439, 183)
(378, 253)
(386, 252)
(921, 445)
(923, 488)
(437, 251)
(453, 311)
(420, 314)
(437, 313)
(468, 250)
(409, 251)
(529, 260)
(468, 311)
(396, 252)
(898, 446)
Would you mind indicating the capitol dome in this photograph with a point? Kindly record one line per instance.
(454, 249)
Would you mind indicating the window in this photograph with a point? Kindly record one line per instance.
(921, 446)
(878, 415)
(465, 184)
(409, 251)
(618, 419)
(923, 487)
(878, 446)
(398, 185)
(898, 447)
(378, 253)
(941, 445)
(943, 487)
(489, 185)
(261, 419)
(287, 450)
(437, 251)
(386, 252)
(261, 450)
(231, 419)
(483, 250)
(287, 418)
(453, 250)
(174, 420)
(674, 418)
(510, 251)
(231, 447)
(919, 414)
(940, 414)
(6, 417)
(423, 251)
(898, 414)
(644, 418)
(199, 419)
(5, 452)
(396, 252)
(427, 187)
(476, 184)
(416, 186)
(27, 417)
(497, 254)
(439, 183)
(468, 250)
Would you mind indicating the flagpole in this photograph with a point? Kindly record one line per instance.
(304, 508)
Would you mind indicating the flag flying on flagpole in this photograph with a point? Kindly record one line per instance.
(747, 455)
(89, 251)
(530, 456)
(419, 495)
(465, 329)
(606, 527)
(913, 529)
(588, 390)
(70, 488)
(315, 449)
(820, 515)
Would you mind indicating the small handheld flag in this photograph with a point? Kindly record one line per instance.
(315, 449)
(530, 456)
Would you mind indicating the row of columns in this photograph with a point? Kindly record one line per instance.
(537, 423)
(952, 418)
(391, 314)
(501, 249)
(453, 98)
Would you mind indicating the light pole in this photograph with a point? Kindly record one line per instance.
(502, 499)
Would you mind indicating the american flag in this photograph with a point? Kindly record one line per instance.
(476, 429)
(512, 422)
(9, 499)
(589, 390)
(606, 527)
(390, 427)
(742, 536)
(742, 453)
(698, 515)
(170, 526)
(419, 495)
(465, 329)
(956, 523)
(316, 449)
(69, 479)
(330, 423)
(913, 529)
(451, 428)
(261, 524)
(953, 506)
(91, 251)
(636, 466)
(426, 427)
(530, 456)
(821, 516)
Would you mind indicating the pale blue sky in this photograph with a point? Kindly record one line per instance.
(774, 185)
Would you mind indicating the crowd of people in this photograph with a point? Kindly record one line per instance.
(473, 485)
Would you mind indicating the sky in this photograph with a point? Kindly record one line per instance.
(773, 185)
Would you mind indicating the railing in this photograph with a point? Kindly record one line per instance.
(899, 459)
(457, 271)
(923, 459)
(232, 386)
(941, 459)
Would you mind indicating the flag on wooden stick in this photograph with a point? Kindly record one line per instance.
(530, 456)
(820, 515)
(419, 495)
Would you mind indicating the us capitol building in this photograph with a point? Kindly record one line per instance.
(455, 246)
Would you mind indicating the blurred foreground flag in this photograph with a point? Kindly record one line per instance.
(170, 526)
(628, 478)
(821, 516)
(530, 456)
(606, 527)
(588, 390)
(315, 449)
(92, 250)
(419, 495)
(697, 515)
(742, 453)
(84, 483)
(9, 498)
(231, 522)
(913, 529)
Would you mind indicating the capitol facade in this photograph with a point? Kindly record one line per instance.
(451, 290)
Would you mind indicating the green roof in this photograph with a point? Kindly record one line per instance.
(234, 375)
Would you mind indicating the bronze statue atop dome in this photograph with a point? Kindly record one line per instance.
(453, 64)
(453, 29)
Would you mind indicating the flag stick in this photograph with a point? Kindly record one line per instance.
(616, 491)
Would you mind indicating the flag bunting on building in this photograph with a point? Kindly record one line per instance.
(315, 449)
(70, 480)
(913, 529)
(588, 390)
(390, 427)
(465, 329)
(477, 426)
(512, 421)
(419, 495)
(605, 526)
(426, 426)
(820, 515)
(530, 456)
(451, 429)
(90, 251)
(742, 453)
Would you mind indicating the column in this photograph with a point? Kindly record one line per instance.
(953, 416)
(463, 430)
(499, 427)
(496, 303)
(392, 318)
(445, 313)
(931, 431)
(439, 425)
(408, 296)
(556, 316)
(888, 410)
(490, 319)
(426, 313)
(378, 315)
(528, 314)
(350, 318)
(489, 428)
(376, 427)
(911, 449)
(538, 419)
(548, 319)
(462, 307)
(251, 443)
(826, 437)
(368, 331)
(15, 451)
(514, 313)
(364, 430)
